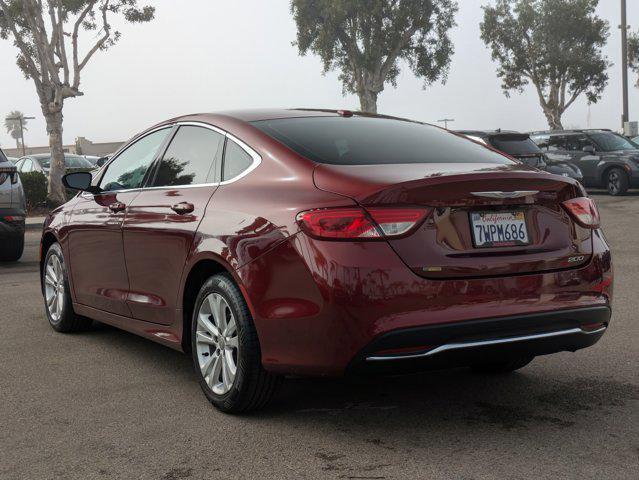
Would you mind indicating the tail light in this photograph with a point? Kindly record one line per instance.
(8, 172)
(584, 211)
(356, 223)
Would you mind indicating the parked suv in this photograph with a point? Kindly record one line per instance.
(605, 158)
(521, 147)
(12, 211)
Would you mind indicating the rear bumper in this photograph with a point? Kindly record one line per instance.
(12, 222)
(321, 307)
(465, 343)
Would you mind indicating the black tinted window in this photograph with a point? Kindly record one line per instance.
(190, 157)
(576, 143)
(609, 142)
(515, 145)
(371, 141)
(236, 160)
(557, 142)
(2, 157)
(129, 168)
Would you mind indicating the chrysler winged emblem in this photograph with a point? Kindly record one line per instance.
(516, 194)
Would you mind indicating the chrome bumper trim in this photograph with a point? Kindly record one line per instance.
(482, 343)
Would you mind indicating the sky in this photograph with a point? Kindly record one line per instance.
(211, 55)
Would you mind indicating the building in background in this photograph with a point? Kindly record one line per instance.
(82, 146)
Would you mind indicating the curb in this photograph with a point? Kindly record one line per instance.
(33, 224)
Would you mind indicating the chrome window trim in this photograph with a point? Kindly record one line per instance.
(257, 159)
(117, 154)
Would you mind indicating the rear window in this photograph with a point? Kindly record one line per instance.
(2, 157)
(515, 145)
(374, 141)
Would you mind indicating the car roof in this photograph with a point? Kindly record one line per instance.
(254, 115)
(489, 133)
(576, 130)
(40, 156)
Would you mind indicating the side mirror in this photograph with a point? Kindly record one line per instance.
(79, 181)
(101, 161)
(589, 149)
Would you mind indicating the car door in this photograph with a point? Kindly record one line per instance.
(586, 161)
(97, 262)
(161, 222)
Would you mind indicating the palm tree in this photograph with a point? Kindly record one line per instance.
(12, 124)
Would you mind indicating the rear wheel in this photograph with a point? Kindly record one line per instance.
(226, 351)
(502, 366)
(617, 181)
(12, 249)
(57, 296)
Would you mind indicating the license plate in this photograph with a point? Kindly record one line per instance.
(499, 229)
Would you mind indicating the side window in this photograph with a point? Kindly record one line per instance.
(236, 160)
(557, 142)
(27, 165)
(541, 141)
(576, 143)
(190, 157)
(129, 168)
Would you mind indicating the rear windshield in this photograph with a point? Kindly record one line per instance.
(374, 141)
(516, 145)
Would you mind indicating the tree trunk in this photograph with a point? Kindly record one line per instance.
(56, 192)
(368, 101)
(553, 116)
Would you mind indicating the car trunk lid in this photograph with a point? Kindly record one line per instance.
(461, 197)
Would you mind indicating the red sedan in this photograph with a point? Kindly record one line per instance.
(308, 242)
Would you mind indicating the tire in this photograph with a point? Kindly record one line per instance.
(502, 366)
(617, 181)
(57, 294)
(223, 342)
(12, 249)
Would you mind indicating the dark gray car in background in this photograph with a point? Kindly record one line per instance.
(12, 211)
(521, 147)
(41, 162)
(605, 158)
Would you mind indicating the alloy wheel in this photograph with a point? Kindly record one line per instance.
(614, 182)
(216, 340)
(54, 287)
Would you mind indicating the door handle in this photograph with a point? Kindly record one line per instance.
(183, 208)
(117, 207)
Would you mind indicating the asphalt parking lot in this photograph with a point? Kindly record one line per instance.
(107, 404)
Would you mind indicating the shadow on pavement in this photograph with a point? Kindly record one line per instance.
(385, 407)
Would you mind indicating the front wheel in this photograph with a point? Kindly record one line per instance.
(617, 181)
(502, 366)
(57, 295)
(226, 351)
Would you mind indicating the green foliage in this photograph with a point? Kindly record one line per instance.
(366, 39)
(633, 53)
(35, 189)
(555, 44)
